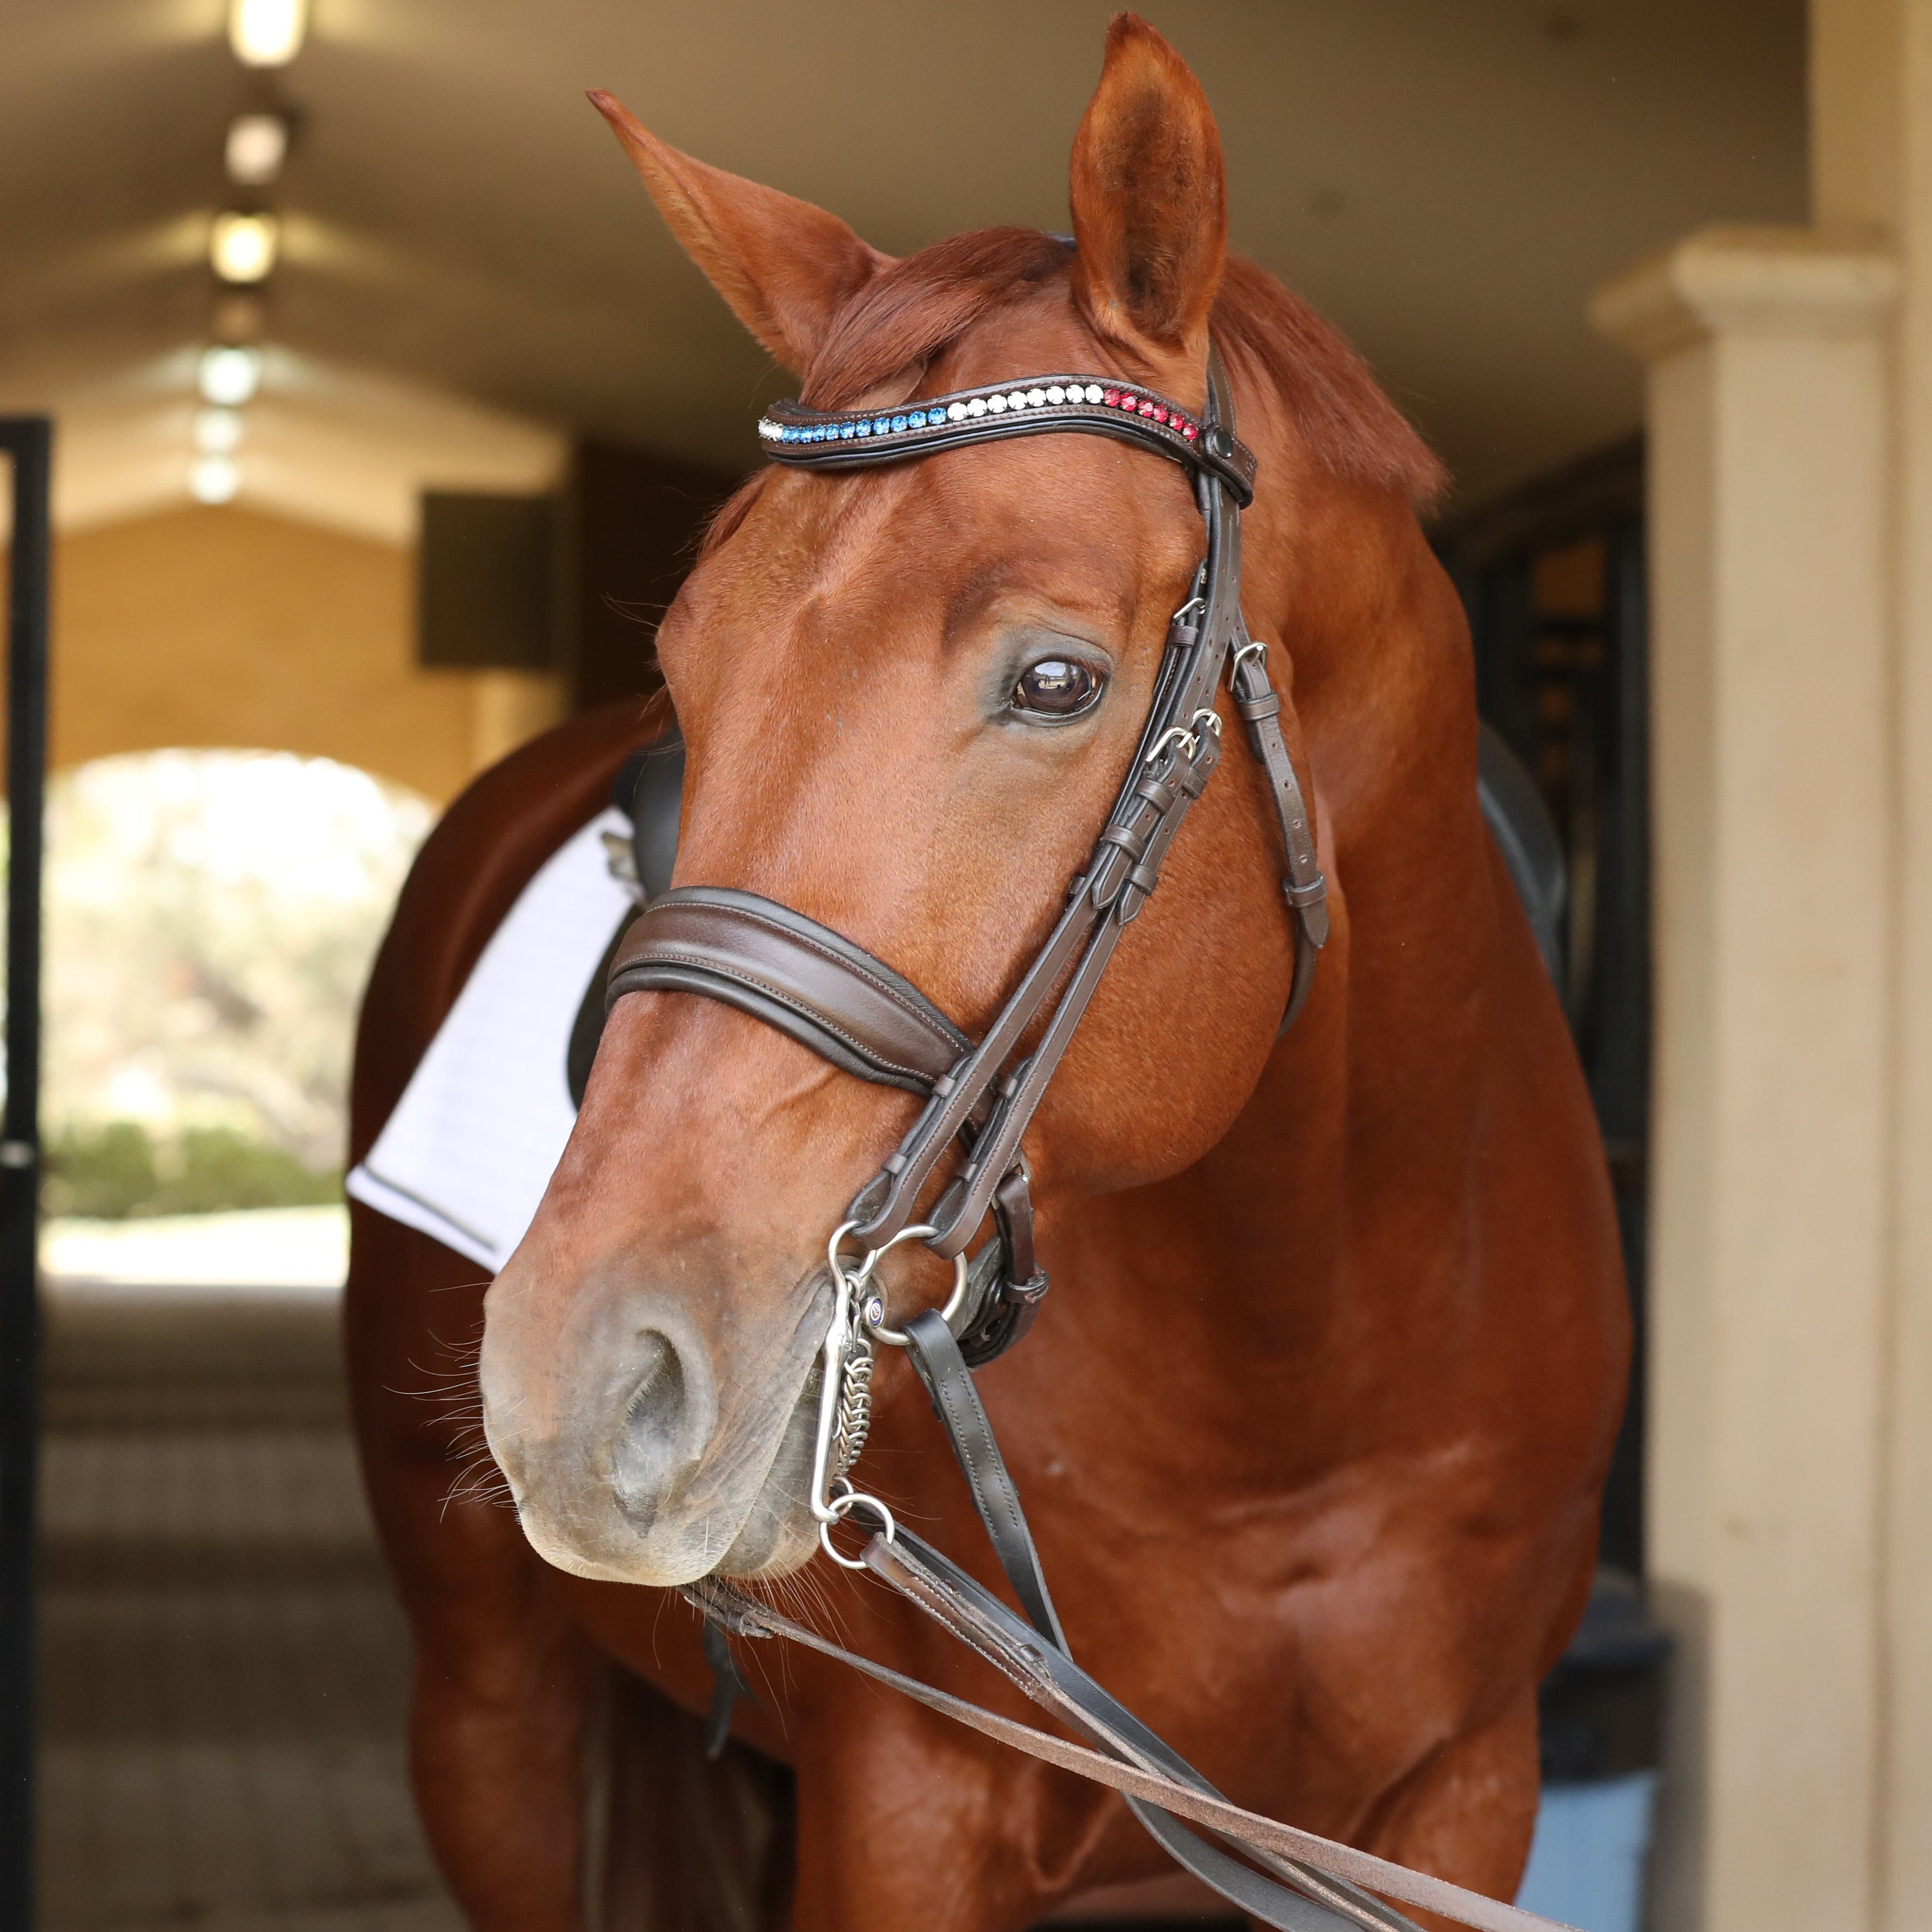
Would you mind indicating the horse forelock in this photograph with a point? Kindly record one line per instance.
(907, 314)
(923, 303)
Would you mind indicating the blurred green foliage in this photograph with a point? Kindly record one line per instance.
(211, 916)
(119, 1171)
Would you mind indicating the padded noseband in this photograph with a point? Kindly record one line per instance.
(794, 974)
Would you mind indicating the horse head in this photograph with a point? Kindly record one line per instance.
(909, 696)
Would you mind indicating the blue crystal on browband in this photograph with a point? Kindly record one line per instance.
(848, 432)
(917, 419)
(861, 429)
(899, 422)
(881, 425)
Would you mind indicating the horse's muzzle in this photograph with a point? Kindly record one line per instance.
(639, 1447)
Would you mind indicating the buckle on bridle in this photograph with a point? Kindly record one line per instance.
(1187, 736)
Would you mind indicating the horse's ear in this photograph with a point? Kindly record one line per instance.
(1150, 198)
(785, 267)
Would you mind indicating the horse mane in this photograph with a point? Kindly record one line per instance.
(1346, 420)
(907, 314)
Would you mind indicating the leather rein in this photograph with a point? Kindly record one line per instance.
(835, 997)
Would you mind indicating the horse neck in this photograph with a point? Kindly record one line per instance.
(1270, 1222)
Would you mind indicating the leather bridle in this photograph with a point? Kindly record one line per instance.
(835, 997)
(832, 996)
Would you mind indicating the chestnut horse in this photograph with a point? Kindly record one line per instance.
(1312, 1424)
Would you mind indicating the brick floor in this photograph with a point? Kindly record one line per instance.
(224, 1673)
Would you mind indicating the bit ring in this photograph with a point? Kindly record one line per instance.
(872, 1311)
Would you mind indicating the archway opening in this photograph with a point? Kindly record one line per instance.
(210, 918)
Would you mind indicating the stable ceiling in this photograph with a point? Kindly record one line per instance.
(1447, 179)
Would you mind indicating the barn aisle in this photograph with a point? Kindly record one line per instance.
(224, 1673)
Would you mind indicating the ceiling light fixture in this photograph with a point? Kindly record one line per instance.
(213, 479)
(241, 247)
(257, 145)
(229, 376)
(266, 33)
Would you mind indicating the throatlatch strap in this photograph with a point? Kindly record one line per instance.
(1305, 889)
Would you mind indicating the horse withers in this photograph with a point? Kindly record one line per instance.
(1313, 1422)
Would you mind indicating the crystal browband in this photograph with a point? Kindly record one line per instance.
(847, 425)
(838, 438)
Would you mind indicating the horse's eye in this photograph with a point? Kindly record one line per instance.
(1056, 687)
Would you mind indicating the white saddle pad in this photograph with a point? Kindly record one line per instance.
(480, 1128)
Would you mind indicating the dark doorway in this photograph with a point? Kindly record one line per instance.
(27, 441)
(1552, 578)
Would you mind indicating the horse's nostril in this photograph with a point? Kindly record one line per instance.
(653, 1446)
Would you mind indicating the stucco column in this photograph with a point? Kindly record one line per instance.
(1871, 147)
(1772, 715)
